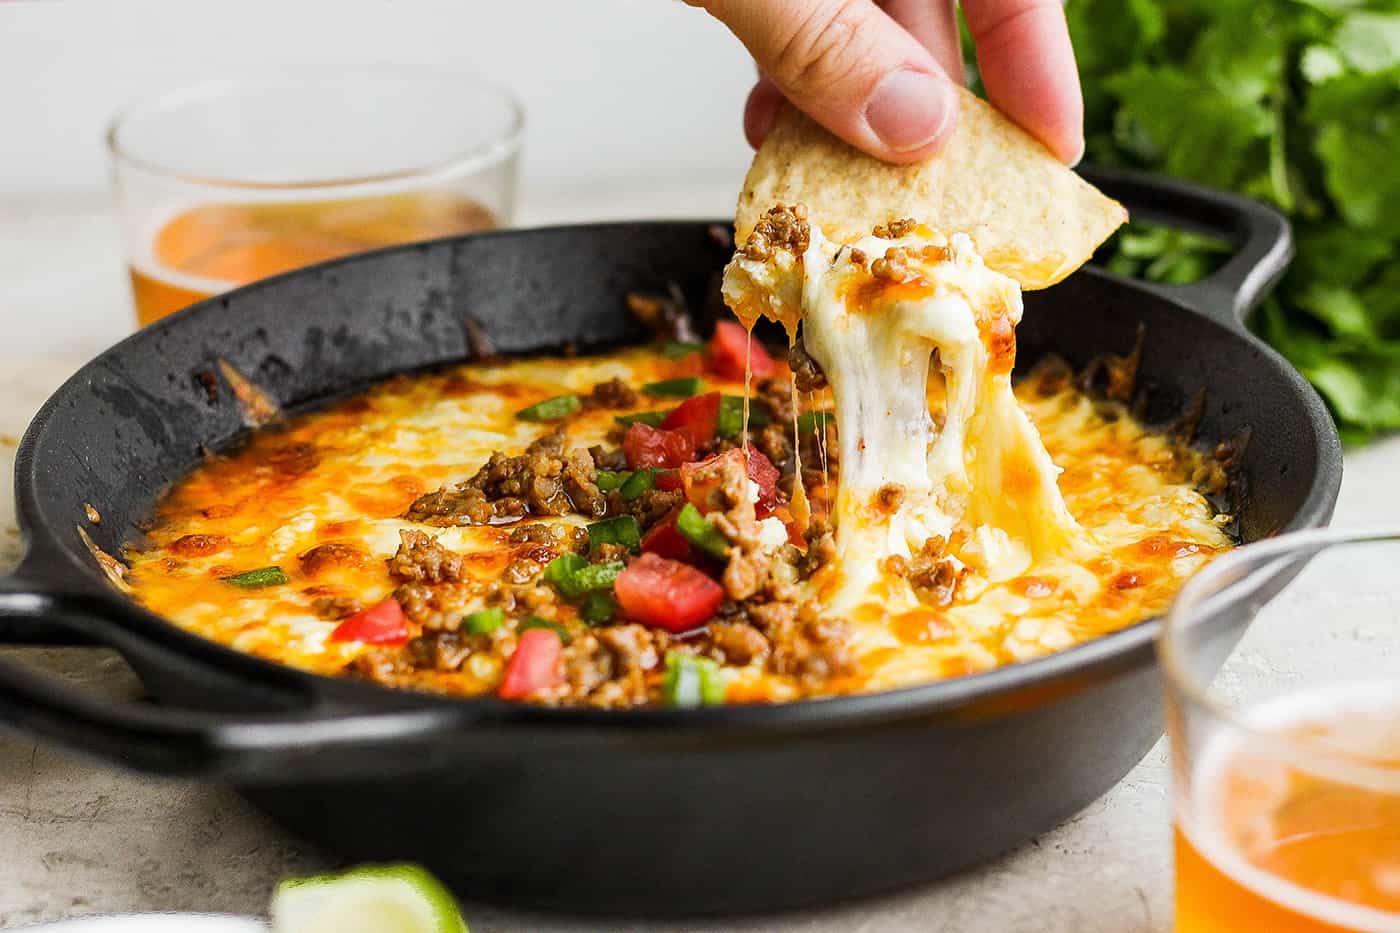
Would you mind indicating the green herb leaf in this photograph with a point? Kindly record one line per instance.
(677, 388)
(1191, 127)
(1296, 102)
(1366, 197)
(692, 681)
(257, 579)
(484, 621)
(1370, 41)
(551, 409)
(701, 532)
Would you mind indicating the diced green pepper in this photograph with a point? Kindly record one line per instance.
(597, 577)
(484, 621)
(699, 531)
(564, 570)
(572, 575)
(692, 681)
(638, 483)
(676, 349)
(651, 419)
(623, 530)
(551, 409)
(256, 579)
(679, 388)
(808, 422)
(608, 480)
(731, 416)
(598, 607)
(537, 622)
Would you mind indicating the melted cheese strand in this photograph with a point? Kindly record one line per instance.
(798, 505)
(748, 386)
(821, 444)
(983, 472)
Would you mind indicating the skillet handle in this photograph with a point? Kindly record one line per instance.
(303, 740)
(1261, 236)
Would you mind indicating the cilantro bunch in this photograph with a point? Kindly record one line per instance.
(1293, 102)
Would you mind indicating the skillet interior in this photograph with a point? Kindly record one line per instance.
(134, 420)
(137, 418)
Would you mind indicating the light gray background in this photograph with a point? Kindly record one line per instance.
(634, 112)
(619, 92)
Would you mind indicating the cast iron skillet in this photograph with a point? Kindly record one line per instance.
(659, 811)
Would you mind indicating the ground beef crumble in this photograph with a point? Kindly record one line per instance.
(804, 645)
(934, 575)
(806, 373)
(774, 441)
(613, 394)
(765, 619)
(783, 227)
(421, 559)
(737, 643)
(335, 608)
(649, 507)
(896, 229)
(608, 667)
(545, 480)
(774, 398)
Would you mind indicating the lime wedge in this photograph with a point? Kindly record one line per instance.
(376, 899)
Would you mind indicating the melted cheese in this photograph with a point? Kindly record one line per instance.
(346, 474)
(983, 470)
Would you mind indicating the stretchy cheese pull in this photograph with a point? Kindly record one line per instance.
(883, 316)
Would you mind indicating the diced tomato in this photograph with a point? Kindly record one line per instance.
(663, 538)
(725, 353)
(535, 664)
(654, 590)
(381, 624)
(696, 418)
(700, 479)
(765, 476)
(646, 446)
(669, 480)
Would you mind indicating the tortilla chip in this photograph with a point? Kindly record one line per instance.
(1032, 218)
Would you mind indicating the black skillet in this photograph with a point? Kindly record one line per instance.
(716, 810)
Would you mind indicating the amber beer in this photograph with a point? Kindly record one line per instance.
(213, 247)
(1275, 847)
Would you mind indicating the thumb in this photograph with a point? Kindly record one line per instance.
(851, 68)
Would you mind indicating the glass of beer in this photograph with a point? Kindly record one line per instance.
(1286, 746)
(231, 181)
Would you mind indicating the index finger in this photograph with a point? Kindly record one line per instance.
(1028, 69)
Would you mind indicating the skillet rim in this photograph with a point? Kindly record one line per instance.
(332, 695)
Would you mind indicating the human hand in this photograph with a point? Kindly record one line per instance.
(877, 72)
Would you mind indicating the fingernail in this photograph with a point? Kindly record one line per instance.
(1074, 162)
(909, 109)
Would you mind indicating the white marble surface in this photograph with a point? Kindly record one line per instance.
(79, 839)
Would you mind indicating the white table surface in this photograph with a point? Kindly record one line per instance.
(76, 838)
